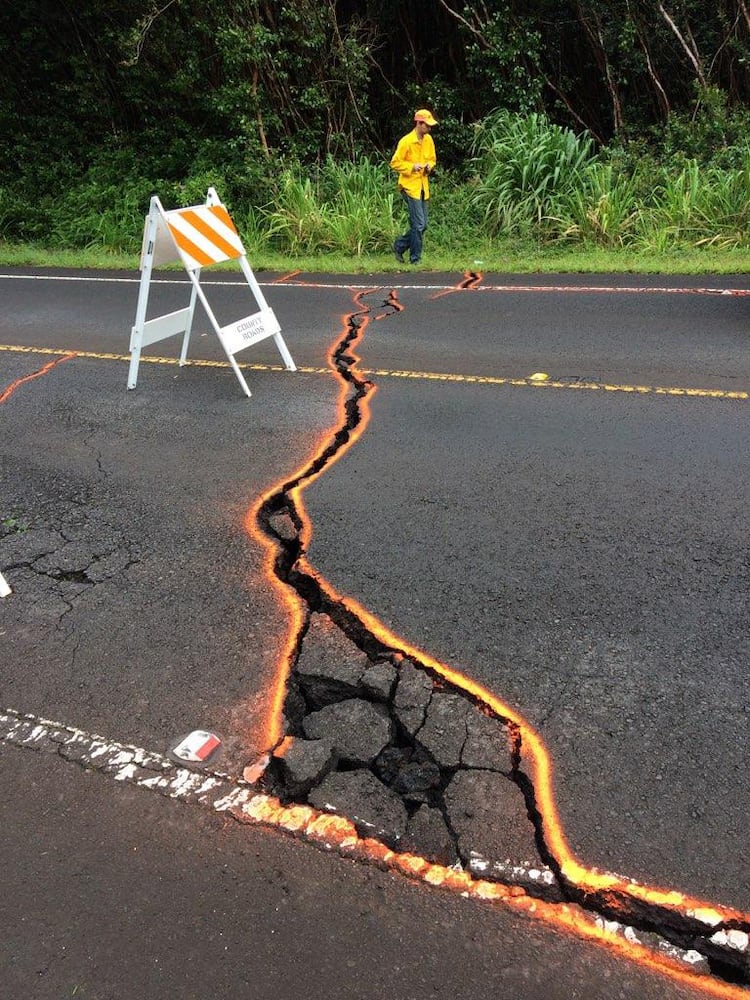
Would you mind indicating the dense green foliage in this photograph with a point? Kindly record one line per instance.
(622, 122)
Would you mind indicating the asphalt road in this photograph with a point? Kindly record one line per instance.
(576, 546)
(580, 551)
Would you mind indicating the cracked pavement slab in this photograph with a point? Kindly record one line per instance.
(442, 739)
(619, 640)
(603, 540)
(137, 593)
(348, 791)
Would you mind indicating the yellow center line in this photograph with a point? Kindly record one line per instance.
(525, 382)
(153, 360)
(529, 382)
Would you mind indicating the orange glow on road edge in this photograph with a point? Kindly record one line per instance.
(338, 833)
(8, 392)
(325, 827)
(286, 277)
(471, 280)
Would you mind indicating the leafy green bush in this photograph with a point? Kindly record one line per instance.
(99, 212)
(345, 207)
(524, 165)
(715, 133)
(531, 180)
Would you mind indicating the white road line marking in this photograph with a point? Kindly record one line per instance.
(520, 289)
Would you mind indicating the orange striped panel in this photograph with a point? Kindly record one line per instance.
(221, 213)
(200, 224)
(187, 246)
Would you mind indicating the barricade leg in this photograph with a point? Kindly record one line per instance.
(136, 336)
(189, 327)
(240, 376)
(135, 357)
(214, 323)
(261, 300)
(284, 352)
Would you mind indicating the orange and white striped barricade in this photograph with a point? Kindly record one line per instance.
(199, 236)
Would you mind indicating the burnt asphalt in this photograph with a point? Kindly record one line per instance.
(580, 551)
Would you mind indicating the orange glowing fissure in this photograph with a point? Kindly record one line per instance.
(338, 831)
(9, 390)
(471, 280)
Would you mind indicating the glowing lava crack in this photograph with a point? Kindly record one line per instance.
(427, 772)
(386, 755)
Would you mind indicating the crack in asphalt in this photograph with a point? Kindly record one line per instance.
(719, 936)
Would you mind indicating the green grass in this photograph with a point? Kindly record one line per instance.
(504, 257)
(536, 198)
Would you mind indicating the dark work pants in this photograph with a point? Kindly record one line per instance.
(419, 214)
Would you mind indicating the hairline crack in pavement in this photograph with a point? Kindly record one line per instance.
(598, 906)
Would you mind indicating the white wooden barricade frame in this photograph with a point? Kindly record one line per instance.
(160, 247)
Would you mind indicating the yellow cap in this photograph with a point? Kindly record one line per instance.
(423, 115)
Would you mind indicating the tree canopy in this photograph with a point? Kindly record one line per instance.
(173, 85)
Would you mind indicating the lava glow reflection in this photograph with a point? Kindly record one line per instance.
(336, 832)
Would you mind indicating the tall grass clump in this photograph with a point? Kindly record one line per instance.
(294, 222)
(361, 201)
(602, 209)
(698, 206)
(346, 207)
(524, 166)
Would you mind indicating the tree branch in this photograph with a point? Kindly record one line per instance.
(600, 54)
(661, 94)
(467, 24)
(691, 53)
(145, 26)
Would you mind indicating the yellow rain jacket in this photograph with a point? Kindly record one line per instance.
(409, 151)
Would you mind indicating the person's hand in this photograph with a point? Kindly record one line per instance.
(417, 167)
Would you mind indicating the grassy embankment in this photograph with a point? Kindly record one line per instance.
(533, 197)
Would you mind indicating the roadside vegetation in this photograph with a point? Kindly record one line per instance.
(606, 136)
(532, 195)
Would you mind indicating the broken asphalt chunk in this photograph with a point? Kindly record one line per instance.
(488, 743)
(496, 838)
(427, 834)
(444, 731)
(378, 681)
(330, 666)
(357, 730)
(413, 694)
(375, 810)
(282, 525)
(301, 764)
(409, 772)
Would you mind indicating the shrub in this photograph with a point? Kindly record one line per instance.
(524, 165)
(699, 206)
(602, 209)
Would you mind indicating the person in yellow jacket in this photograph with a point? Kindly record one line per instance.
(414, 161)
